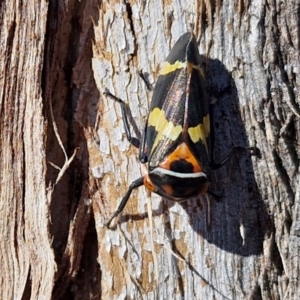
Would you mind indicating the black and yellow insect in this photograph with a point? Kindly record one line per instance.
(176, 141)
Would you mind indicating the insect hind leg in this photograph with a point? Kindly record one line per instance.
(132, 140)
(135, 184)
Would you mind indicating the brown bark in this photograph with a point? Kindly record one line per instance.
(26, 254)
(44, 192)
(251, 57)
(56, 59)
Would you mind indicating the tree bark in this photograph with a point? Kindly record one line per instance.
(45, 78)
(250, 51)
(66, 162)
(26, 255)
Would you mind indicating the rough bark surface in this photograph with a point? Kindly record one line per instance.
(251, 248)
(25, 246)
(45, 83)
(66, 163)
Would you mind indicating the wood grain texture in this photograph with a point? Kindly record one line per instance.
(61, 55)
(25, 246)
(250, 53)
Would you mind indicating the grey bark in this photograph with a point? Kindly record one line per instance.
(59, 57)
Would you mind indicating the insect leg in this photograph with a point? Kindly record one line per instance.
(213, 164)
(217, 165)
(132, 140)
(135, 184)
(253, 151)
(224, 160)
(144, 77)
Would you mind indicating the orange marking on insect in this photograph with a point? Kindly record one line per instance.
(204, 189)
(168, 189)
(181, 152)
(148, 183)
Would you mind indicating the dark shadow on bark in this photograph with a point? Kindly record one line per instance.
(239, 220)
(238, 217)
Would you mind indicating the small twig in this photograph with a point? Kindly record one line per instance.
(174, 254)
(67, 160)
(57, 134)
(54, 166)
(65, 166)
(150, 218)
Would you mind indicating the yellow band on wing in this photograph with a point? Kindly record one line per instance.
(167, 129)
(164, 128)
(200, 132)
(168, 68)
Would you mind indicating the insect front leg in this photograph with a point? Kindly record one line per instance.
(135, 184)
(132, 140)
(251, 150)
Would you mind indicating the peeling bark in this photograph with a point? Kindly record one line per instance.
(59, 57)
(250, 51)
(26, 254)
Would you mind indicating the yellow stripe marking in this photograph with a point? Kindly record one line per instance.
(163, 127)
(200, 132)
(169, 68)
(167, 128)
